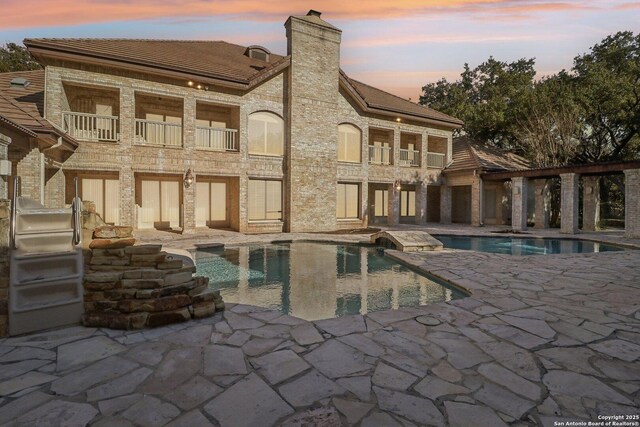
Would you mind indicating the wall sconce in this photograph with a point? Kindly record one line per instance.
(397, 185)
(188, 179)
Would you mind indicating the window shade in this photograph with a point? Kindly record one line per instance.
(266, 134)
(347, 201)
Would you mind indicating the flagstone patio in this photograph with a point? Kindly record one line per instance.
(541, 339)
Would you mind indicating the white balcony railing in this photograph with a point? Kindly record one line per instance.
(91, 127)
(435, 160)
(158, 133)
(409, 158)
(219, 139)
(379, 155)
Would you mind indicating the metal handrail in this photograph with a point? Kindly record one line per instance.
(17, 190)
(77, 237)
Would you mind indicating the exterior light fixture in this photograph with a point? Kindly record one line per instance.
(199, 86)
(188, 178)
(397, 185)
(398, 120)
(189, 83)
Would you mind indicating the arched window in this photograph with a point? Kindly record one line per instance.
(266, 134)
(349, 145)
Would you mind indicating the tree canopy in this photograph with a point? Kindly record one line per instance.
(14, 57)
(589, 113)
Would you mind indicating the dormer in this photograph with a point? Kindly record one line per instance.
(258, 52)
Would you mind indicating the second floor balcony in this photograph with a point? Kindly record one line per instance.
(91, 127)
(436, 160)
(155, 132)
(216, 139)
(379, 155)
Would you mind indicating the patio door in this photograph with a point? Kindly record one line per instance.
(160, 207)
(211, 204)
(105, 193)
(407, 205)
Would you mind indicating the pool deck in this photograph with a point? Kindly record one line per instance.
(540, 339)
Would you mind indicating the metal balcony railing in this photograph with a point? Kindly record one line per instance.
(158, 133)
(379, 155)
(435, 160)
(219, 139)
(409, 158)
(90, 127)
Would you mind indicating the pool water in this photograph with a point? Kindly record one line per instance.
(318, 281)
(523, 245)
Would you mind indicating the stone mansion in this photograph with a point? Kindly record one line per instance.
(188, 134)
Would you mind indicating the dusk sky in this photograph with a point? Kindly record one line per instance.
(396, 45)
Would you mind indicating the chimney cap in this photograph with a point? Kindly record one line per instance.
(314, 13)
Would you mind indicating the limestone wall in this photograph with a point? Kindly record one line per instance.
(4, 266)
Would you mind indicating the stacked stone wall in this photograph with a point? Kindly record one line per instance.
(133, 287)
(4, 266)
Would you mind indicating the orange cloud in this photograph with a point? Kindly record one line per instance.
(45, 13)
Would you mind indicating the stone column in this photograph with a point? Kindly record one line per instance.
(4, 155)
(519, 203)
(445, 204)
(542, 203)
(569, 200)
(590, 203)
(54, 189)
(499, 195)
(31, 172)
(127, 181)
(632, 203)
(5, 214)
(477, 208)
(393, 207)
(421, 202)
(188, 194)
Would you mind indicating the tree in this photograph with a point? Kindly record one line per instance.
(14, 57)
(607, 86)
(488, 99)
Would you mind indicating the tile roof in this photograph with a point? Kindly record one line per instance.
(221, 61)
(216, 59)
(376, 98)
(24, 106)
(472, 155)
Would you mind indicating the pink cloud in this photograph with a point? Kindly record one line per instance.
(42, 13)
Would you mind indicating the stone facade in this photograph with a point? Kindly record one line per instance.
(569, 184)
(309, 169)
(590, 203)
(632, 203)
(542, 200)
(132, 287)
(519, 203)
(5, 215)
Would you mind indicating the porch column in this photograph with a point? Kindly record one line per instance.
(590, 203)
(632, 203)
(569, 200)
(393, 217)
(477, 202)
(499, 207)
(421, 202)
(4, 155)
(188, 194)
(542, 203)
(445, 204)
(519, 203)
(126, 175)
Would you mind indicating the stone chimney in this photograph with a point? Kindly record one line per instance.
(311, 104)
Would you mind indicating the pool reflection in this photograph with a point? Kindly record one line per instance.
(317, 281)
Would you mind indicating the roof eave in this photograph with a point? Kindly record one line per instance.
(18, 127)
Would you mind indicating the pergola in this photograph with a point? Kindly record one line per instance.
(569, 200)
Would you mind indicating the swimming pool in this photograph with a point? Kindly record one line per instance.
(524, 245)
(318, 281)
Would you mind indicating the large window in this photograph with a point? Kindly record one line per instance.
(266, 134)
(265, 200)
(381, 207)
(407, 203)
(348, 201)
(349, 146)
(105, 193)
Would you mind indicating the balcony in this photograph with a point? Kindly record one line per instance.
(216, 139)
(379, 155)
(436, 160)
(90, 127)
(154, 132)
(409, 158)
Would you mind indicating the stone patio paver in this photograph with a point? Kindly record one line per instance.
(542, 339)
